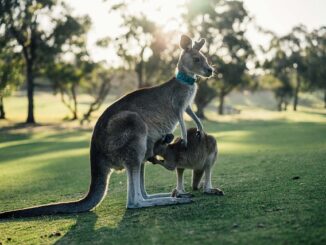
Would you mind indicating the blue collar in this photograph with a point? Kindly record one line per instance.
(184, 78)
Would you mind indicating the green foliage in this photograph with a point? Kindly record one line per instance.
(10, 71)
(11, 68)
(223, 24)
(289, 58)
(67, 78)
(317, 58)
(144, 47)
(22, 22)
(205, 94)
(97, 84)
(280, 66)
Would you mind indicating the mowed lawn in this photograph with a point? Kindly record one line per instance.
(271, 167)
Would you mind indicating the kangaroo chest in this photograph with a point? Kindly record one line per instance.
(164, 118)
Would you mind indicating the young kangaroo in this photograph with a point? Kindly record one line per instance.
(200, 156)
(125, 134)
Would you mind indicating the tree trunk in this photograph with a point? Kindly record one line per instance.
(325, 98)
(30, 91)
(279, 105)
(221, 105)
(205, 94)
(139, 69)
(296, 93)
(74, 98)
(2, 109)
(285, 105)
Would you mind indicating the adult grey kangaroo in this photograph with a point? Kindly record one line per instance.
(125, 134)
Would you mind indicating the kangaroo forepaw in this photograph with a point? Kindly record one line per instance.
(199, 134)
(183, 144)
(214, 191)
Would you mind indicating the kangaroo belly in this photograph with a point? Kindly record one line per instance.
(156, 131)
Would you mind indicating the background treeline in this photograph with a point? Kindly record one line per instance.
(43, 44)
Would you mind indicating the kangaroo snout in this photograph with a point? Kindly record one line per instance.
(209, 72)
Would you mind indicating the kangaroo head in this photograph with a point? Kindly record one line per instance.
(191, 60)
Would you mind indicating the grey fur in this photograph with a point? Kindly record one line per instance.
(124, 136)
(200, 156)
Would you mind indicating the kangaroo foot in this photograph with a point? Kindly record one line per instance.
(214, 191)
(181, 194)
(163, 201)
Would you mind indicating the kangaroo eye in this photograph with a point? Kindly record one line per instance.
(196, 60)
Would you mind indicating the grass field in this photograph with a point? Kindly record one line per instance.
(271, 167)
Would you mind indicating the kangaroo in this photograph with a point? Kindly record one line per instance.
(125, 133)
(200, 156)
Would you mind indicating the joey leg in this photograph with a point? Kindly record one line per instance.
(179, 191)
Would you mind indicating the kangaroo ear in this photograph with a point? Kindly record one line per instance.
(198, 45)
(185, 42)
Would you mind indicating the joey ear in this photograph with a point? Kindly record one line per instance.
(185, 42)
(198, 45)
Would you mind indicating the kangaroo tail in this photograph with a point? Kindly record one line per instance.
(97, 191)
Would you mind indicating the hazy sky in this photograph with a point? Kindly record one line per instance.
(276, 15)
(281, 15)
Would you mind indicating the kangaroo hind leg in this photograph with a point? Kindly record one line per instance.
(135, 198)
(143, 190)
(208, 188)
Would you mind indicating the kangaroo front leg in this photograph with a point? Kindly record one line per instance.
(183, 128)
(194, 117)
(179, 191)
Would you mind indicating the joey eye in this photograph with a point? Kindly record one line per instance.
(196, 60)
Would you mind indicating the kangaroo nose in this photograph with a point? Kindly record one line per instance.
(209, 70)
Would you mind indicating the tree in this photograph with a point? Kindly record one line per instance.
(295, 47)
(316, 59)
(283, 93)
(223, 24)
(279, 66)
(38, 43)
(10, 72)
(280, 85)
(205, 94)
(144, 47)
(97, 85)
(67, 78)
(288, 63)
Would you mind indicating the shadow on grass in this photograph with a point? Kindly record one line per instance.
(85, 224)
(323, 114)
(21, 151)
(63, 140)
(137, 226)
(57, 141)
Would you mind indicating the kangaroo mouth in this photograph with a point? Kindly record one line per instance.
(209, 72)
(208, 75)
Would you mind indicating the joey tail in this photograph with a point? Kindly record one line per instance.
(97, 191)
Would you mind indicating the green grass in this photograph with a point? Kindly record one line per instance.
(259, 154)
